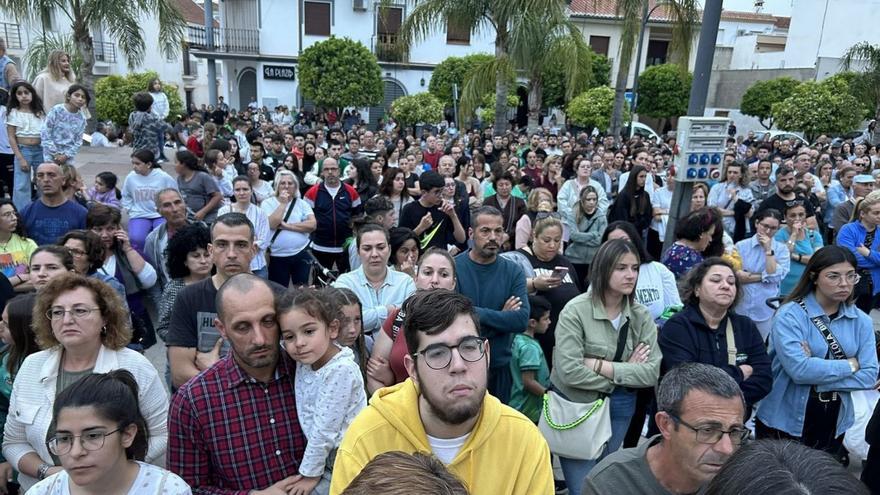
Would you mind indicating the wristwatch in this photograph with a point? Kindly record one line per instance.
(44, 468)
(852, 366)
(771, 253)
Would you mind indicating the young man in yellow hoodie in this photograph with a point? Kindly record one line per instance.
(443, 408)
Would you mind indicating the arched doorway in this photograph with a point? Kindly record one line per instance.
(247, 87)
(393, 91)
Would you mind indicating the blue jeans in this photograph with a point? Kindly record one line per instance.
(623, 405)
(21, 192)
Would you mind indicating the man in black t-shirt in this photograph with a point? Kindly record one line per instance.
(785, 195)
(193, 342)
(432, 219)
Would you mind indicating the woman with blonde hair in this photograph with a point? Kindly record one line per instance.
(52, 83)
(859, 237)
(537, 196)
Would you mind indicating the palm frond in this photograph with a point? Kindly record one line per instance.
(482, 81)
(172, 27)
(122, 25)
(37, 55)
(862, 52)
(428, 17)
(685, 17)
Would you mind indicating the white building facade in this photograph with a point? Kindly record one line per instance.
(259, 42)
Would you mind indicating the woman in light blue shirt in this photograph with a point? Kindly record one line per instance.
(861, 238)
(765, 263)
(801, 242)
(810, 399)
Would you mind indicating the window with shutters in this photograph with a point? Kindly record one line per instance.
(457, 35)
(317, 18)
(599, 44)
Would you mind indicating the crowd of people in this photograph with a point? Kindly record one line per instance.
(348, 310)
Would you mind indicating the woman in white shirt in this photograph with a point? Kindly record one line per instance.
(83, 328)
(262, 189)
(100, 438)
(242, 192)
(291, 220)
(725, 195)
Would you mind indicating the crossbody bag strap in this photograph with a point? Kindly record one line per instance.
(833, 345)
(286, 216)
(731, 344)
(621, 341)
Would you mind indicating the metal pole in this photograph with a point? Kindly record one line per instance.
(645, 15)
(209, 44)
(681, 198)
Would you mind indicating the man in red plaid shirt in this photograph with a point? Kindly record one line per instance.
(233, 429)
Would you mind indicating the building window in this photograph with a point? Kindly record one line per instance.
(317, 18)
(388, 24)
(657, 52)
(456, 35)
(599, 44)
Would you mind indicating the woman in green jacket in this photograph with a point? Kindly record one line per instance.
(606, 346)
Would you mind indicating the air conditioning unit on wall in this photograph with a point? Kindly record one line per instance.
(358, 5)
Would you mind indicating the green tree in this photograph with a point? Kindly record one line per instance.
(121, 21)
(664, 91)
(113, 101)
(454, 70)
(486, 112)
(501, 16)
(759, 99)
(593, 109)
(598, 73)
(869, 56)
(418, 108)
(864, 88)
(601, 70)
(819, 108)
(684, 16)
(340, 72)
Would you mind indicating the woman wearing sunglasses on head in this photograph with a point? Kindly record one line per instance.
(822, 348)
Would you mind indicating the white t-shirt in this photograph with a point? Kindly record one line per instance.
(151, 480)
(288, 243)
(446, 448)
(656, 288)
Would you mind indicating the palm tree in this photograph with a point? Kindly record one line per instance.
(121, 20)
(869, 55)
(501, 16)
(536, 41)
(684, 16)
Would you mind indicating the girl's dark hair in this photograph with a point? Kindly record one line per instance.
(783, 467)
(632, 179)
(101, 214)
(337, 298)
(396, 237)
(147, 156)
(694, 225)
(716, 245)
(768, 213)
(386, 188)
(821, 259)
(19, 226)
(20, 315)
(696, 275)
(93, 247)
(114, 396)
(79, 87)
(365, 173)
(110, 180)
(312, 301)
(211, 157)
(36, 101)
(185, 241)
(61, 252)
(189, 160)
(633, 235)
(605, 262)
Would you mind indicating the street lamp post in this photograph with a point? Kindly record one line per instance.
(646, 14)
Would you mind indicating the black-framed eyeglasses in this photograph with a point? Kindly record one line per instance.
(710, 435)
(90, 441)
(438, 356)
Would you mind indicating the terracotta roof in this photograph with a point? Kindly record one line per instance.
(193, 13)
(783, 22)
(608, 9)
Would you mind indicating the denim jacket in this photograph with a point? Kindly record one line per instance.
(795, 372)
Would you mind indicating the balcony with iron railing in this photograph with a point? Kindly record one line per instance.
(388, 48)
(104, 52)
(190, 68)
(11, 32)
(227, 40)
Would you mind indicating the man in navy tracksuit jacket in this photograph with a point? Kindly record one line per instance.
(334, 204)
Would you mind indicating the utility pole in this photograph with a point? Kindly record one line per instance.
(681, 198)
